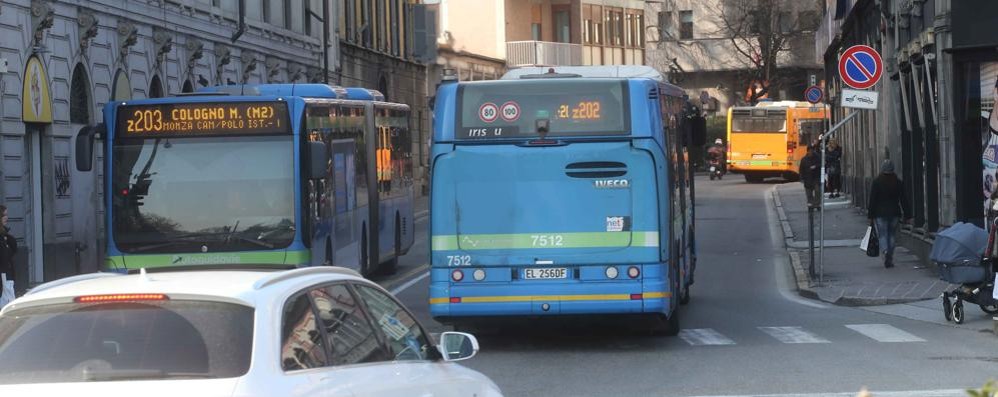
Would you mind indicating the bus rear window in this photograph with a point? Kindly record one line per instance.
(572, 107)
(747, 124)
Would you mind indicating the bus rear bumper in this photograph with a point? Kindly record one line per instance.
(452, 301)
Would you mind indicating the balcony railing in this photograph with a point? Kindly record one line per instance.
(542, 53)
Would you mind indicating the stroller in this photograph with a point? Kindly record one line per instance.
(964, 255)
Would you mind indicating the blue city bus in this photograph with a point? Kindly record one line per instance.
(268, 174)
(562, 192)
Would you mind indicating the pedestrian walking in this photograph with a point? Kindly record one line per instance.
(8, 247)
(886, 207)
(810, 176)
(833, 166)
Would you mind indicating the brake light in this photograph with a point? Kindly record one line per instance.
(455, 299)
(120, 298)
(633, 272)
(457, 275)
(635, 297)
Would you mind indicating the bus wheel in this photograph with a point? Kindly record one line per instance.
(753, 178)
(684, 298)
(365, 267)
(392, 265)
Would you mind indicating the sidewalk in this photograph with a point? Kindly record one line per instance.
(849, 277)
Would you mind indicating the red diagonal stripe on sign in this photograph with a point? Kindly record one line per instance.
(859, 65)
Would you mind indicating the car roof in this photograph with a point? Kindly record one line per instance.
(243, 286)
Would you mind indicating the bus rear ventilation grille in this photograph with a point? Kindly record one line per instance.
(596, 169)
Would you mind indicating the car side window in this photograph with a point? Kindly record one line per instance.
(349, 334)
(302, 346)
(404, 337)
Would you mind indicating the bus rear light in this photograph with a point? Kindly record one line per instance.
(478, 274)
(455, 299)
(120, 298)
(457, 275)
(633, 272)
(636, 297)
(612, 272)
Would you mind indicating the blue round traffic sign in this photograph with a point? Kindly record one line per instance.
(813, 94)
(860, 67)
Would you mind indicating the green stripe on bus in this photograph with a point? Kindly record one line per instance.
(215, 258)
(470, 242)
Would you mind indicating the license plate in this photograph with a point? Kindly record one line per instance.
(545, 273)
(759, 156)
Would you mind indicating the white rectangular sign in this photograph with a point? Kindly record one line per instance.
(859, 99)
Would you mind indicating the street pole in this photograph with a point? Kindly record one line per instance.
(821, 234)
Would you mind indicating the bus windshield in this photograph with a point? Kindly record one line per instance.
(223, 193)
(572, 107)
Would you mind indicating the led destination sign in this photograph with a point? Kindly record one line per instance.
(203, 119)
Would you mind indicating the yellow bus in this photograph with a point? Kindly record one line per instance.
(769, 139)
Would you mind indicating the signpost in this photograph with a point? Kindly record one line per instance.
(860, 67)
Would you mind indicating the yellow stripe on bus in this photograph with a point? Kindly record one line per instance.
(560, 298)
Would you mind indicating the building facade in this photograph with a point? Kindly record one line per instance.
(387, 45)
(575, 32)
(936, 116)
(66, 59)
(716, 49)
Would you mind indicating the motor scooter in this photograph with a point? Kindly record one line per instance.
(715, 169)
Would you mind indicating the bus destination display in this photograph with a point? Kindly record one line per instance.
(203, 119)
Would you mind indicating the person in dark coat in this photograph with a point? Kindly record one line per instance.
(886, 207)
(810, 175)
(8, 246)
(833, 165)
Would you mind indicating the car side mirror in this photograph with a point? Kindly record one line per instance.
(85, 149)
(457, 346)
(318, 159)
(698, 127)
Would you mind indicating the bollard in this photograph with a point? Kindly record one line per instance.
(810, 240)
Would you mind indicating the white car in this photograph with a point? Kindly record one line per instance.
(317, 331)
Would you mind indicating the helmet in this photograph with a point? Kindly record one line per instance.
(718, 141)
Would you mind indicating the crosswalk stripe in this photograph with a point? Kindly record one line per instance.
(704, 337)
(884, 333)
(793, 335)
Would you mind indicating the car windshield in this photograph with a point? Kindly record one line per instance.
(125, 341)
(226, 193)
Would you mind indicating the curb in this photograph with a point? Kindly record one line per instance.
(801, 275)
(788, 232)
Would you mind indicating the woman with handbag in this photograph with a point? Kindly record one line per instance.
(886, 207)
(8, 247)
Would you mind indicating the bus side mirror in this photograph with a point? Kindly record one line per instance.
(85, 149)
(318, 159)
(699, 131)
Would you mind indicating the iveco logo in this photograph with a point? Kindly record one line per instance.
(612, 184)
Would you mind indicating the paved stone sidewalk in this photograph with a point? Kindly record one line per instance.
(848, 277)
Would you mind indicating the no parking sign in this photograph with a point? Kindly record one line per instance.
(860, 67)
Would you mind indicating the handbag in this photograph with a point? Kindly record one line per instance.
(873, 247)
(8, 290)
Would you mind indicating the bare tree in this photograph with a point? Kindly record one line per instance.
(762, 33)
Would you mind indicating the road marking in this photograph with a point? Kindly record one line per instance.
(409, 283)
(793, 335)
(911, 393)
(704, 337)
(884, 333)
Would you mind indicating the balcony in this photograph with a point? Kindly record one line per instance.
(542, 53)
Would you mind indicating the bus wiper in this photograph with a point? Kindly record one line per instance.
(256, 241)
(176, 240)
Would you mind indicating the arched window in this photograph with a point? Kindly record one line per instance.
(155, 88)
(188, 87)
(79, 96)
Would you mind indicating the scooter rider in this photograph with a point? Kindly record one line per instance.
(717, 152)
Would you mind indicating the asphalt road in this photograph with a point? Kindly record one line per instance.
(746, 332)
